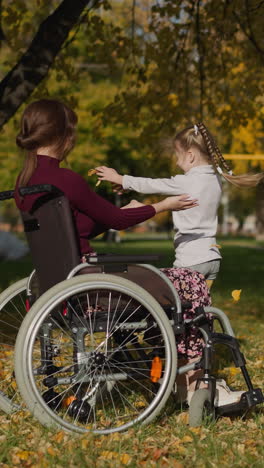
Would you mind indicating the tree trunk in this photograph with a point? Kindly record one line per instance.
(260, 212)
(35, 63)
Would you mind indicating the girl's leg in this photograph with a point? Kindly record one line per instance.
(191, 287)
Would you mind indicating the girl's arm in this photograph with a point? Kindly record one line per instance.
(172, 186)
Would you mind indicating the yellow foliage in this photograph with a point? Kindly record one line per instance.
(240, 68)
(247, 140)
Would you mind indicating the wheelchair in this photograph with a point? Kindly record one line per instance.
(96, 350)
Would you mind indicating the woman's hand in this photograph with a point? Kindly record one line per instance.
(109, 174)
(133, 204)
(176, 203)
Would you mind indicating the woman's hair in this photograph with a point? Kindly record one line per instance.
(45, 123)
(199, 137)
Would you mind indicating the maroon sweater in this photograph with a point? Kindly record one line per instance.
(93, 214)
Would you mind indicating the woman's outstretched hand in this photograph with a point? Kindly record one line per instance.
(109, 174)
(175, 203)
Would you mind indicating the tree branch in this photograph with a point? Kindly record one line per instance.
(249, 34)
(133, 27)
(200, 58)
(2, 35)
(35, 63)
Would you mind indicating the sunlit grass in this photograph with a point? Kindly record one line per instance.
(168, 441)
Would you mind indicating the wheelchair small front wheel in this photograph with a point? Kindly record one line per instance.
(96, 353)
(200, 410)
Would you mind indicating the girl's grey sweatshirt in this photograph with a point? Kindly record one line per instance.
(196, 227)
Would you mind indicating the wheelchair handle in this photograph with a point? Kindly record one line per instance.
(39, 188)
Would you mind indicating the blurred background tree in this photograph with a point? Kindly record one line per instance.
(135, 72)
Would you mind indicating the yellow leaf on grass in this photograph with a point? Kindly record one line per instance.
(51, 451)
(59, 436)
(236, 294)
(108, 455)
(234, 371)
(216, 245)
(24, 454)
(125, 459)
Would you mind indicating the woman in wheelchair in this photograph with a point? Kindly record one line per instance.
(133, 345)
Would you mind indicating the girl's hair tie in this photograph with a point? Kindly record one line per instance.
(219, 170)
(196, 130)
(230, 172)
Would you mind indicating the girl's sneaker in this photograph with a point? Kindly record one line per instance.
(224, 395)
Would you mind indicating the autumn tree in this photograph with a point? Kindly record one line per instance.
(162, 64)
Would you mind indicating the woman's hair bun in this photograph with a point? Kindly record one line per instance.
(25, 142)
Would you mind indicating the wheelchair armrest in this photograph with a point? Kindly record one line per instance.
(115, 258)
(6, 195)
(39, 188)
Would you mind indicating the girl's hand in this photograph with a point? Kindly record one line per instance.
(107, 173)
(133, 204)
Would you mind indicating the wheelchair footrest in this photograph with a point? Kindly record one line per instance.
(248, 399)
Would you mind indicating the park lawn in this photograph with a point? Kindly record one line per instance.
(168, 442)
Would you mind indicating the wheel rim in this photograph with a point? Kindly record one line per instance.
(12, 313)
(98, 366)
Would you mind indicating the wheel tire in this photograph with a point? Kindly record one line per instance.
(198, 413)
(12, 312)
(27, 339)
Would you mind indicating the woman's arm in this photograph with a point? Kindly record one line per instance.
(171, 186)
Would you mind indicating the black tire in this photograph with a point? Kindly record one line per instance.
(200, 410)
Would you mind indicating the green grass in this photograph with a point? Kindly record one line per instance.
(169, 441)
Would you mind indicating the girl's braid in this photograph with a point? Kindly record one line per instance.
(213, 149)
(209, 144)
(222, 159)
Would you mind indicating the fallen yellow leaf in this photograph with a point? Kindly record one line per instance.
(234, 371)
(236, 294)
(187, 439)
(125, 459)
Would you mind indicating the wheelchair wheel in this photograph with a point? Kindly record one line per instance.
(12, 313)
(82, 360)
(200, 410)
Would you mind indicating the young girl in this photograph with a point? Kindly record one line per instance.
(195, 244)
(203, 165)
(47, 135)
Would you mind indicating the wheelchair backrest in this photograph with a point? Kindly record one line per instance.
(52, 238)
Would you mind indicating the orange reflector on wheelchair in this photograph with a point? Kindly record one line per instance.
(68, 400)
(156, 369)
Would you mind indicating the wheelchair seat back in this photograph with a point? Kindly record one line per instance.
(52, 239)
